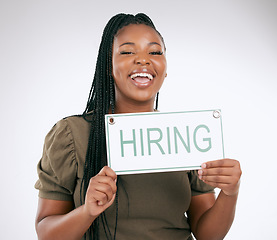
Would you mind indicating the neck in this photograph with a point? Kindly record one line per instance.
(134, 107)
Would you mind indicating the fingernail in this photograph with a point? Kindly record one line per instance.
(200, 172)
(204, 165)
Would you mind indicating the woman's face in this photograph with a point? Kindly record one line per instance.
(139, 65)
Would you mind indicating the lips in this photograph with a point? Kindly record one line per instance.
(142, 78)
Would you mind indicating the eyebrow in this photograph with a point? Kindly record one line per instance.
(127, 43)
(131, 43)
(154, 43)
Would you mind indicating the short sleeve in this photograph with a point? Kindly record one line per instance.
(197, 186)
(57, 169)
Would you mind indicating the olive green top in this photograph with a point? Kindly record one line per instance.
(151, 206)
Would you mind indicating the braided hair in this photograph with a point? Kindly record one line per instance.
(102, 100)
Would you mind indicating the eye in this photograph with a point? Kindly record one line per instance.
(126, 52)
(156, 53)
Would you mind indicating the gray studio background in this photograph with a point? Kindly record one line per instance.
(221, 54)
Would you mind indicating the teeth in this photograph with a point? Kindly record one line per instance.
(142, 75)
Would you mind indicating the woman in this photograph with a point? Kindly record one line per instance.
(80, 197)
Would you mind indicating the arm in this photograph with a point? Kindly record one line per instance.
(59, 220)
(209, 218)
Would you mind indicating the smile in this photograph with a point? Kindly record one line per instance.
(142, 75)
(142, 79)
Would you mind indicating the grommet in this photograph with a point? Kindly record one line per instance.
(216, 114)
(111, 121)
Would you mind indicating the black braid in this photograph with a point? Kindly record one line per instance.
(157, 102)
(102, 100)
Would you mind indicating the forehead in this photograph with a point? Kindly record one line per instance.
(136, 33)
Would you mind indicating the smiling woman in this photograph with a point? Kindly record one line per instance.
(81, 198)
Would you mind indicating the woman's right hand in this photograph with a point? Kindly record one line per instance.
(101, 192)
(59, 220)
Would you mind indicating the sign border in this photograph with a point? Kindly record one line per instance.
(107, 116)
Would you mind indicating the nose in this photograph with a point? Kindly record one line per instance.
(142, 59)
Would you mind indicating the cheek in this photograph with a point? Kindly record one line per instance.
(161, 66)
(119, 69)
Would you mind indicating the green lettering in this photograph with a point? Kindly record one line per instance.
(168, 141)
(177, 133)
(141, 143)
(128, 142)
(156, 141)
(204, 139)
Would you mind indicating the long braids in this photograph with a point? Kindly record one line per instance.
(102, 100)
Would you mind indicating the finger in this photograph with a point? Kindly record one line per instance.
(107, 204)
(217, 179)
(102, 184)
(221, 186)
(105, 201)
(221, 163)
(107, 190)
(100, 192)
(102, 199)
(105, 180)
(99, 197)
(216, 171)
(107, 171)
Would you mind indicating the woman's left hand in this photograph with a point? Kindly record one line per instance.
(224, 174)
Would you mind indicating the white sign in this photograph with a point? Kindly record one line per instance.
(162, 141)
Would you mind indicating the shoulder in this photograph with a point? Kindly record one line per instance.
(76, 122)
(72, 124)
(78, 126)
(67, 134)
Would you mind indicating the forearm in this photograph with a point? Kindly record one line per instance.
(70, 226)
(215, 223)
